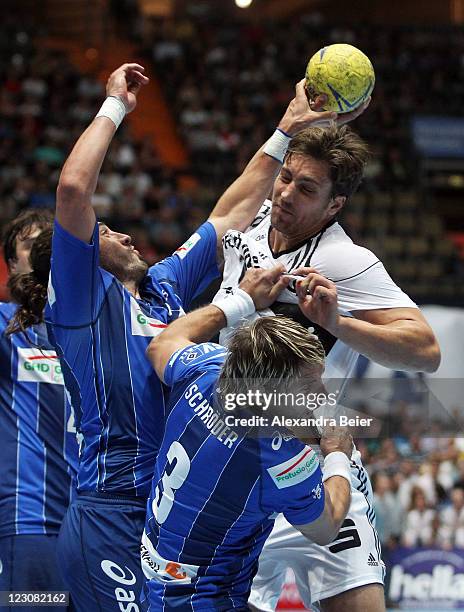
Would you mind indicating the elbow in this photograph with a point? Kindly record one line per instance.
(153, 348)
(431, 357)
(325, 536)
(434, 360)
(322, 539)
(71, 189)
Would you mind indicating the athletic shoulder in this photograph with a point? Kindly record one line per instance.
(338, 258)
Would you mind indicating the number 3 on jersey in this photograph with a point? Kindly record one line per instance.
(175, 473)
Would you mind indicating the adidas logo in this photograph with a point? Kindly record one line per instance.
(371, 560)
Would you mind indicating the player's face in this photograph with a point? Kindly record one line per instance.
(22, 265)
(302, 201)
(118, 256)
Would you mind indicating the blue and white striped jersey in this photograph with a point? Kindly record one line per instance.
(215, 492)
(38, 448)
(101, 333)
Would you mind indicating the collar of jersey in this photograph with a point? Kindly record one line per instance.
(300, 244)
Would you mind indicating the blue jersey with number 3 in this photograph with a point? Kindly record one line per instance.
(101, 333)
(215, 491)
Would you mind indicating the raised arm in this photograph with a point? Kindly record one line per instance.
(258, 289)
(78, 179)
(238, 206)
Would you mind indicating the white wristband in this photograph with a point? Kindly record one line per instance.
(336, 464)
(114, 109)
(235, 306)
(277, 145)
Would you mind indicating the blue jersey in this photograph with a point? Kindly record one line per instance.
(101, 333)
(215, 493)
(38, 448)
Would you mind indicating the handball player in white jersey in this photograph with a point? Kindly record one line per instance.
(355, 307)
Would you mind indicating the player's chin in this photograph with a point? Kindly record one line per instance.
(282, 223)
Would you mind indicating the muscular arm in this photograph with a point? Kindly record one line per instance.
(263, 286)
(198, 326)
(337, 502)
(78, 179)
(398, 338)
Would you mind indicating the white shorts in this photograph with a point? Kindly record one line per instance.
(352, 560)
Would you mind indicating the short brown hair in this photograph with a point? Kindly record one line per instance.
(275, 349)
(342, 149)
(20, 227)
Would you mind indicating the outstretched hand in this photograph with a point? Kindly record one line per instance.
(125, 83)
(302, 113)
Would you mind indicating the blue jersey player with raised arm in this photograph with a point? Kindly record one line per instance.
(217, 487)
(105, 305)
(38, 449)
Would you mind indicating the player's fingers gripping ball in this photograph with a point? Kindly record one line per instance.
(343, 73)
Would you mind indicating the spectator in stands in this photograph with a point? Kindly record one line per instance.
(420, 521)
(387, 510)
(451, 529)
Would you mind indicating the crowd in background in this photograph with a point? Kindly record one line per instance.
(227, 85)
(418, 485)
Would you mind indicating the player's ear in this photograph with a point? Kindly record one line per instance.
(336, 204)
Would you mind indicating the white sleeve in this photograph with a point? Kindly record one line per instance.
(361, 279)
(371, 289)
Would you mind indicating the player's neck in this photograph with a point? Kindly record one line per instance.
(278, 241)
(132, 287)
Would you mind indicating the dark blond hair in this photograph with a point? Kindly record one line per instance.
(275, 349)
(342, 149)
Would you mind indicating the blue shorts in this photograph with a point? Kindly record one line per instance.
(99, 553)
(29, 563)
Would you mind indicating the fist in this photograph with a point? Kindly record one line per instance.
(336, 439)
(264, 286)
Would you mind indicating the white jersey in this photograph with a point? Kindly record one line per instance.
(354, 558)
(361, 279)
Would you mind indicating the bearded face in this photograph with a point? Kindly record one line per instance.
(119, 257)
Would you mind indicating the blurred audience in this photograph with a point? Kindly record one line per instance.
(227, 85)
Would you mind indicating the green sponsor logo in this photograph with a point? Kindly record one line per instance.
(307, 466)
(141, 319)
(43, 367)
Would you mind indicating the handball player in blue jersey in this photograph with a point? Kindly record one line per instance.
(105, 305)
(38, 449)
(217, 487)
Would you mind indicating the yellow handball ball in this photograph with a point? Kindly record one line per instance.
(342, 72)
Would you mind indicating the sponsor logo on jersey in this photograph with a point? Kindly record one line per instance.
(317, 492)
(192, 352)
(39, 366)
(371, 560)
(294, 470)
(155, 567)
(125, 597)
(141, 324)
(188, 245)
